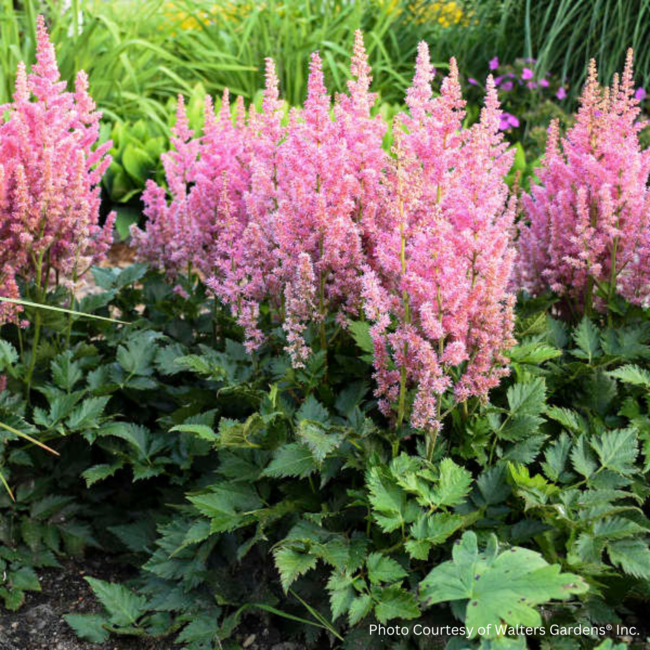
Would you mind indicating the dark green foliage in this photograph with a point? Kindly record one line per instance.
(252, 486)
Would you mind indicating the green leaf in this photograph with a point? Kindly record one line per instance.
(360, 331)
(66, 372)
(90, 627)
(87, 415)
(569, 419)
(138, 163)
(319, 439)
(8, 355)
(631, 555)
(396, 602)
(360, 608)
(341, 593)
(99, 472)
(292, 564)
(389, 503)
(588, 341)
(430, 530)
(25, 579)
(291, 460)
(499, 587)
(583, 459)
(383, 569)
(201, 430)
(123, 606)
(228, 505)
(453, 485)
(617, 450)
(632, 375)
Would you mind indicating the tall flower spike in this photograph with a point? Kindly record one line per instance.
(49, 190)
(587, 224)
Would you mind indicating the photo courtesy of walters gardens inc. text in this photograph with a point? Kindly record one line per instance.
(324, 325)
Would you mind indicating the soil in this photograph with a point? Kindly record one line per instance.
(39, 624)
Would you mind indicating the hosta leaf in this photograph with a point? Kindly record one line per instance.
(499, 586)
(292, 564)
(88, 626)
(383, 569)
(396, 602)
(123, 606)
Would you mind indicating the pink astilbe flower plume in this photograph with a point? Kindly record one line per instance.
(586, 225)
(49, 179)
(437, 297)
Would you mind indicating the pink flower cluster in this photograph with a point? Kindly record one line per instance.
(587, 225)
(308, 215)
(437, 292)
(49, 179)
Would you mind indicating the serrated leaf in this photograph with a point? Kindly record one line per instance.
(583, 458)
(617, 450)
(100, 472)
(396, 602)
(24, 579)
(631, 555)
(498, 586)
(201, 430)
(632, 374)
(8, 355)
(360, 608)
(587, 339)
(88, 626)
(389, 503)
(453, 485)
(292, 564)
(318, 439)
(569, 419)
(123, 606)
(291, 460)
(383, 569)
(430, 530)
(66, 372)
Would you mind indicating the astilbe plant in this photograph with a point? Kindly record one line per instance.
(585, 233)
(49, 181)
(311, 217)
(437, 295)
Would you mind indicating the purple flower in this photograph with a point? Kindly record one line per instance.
(531, 85)
(640, 94)
(508, 121)
(543, 83)
(498, 80)
(561, 93)
(526, 74)
(494, 63)
(472, 81)
(511, 75)
(507, 85)
(513, 120)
